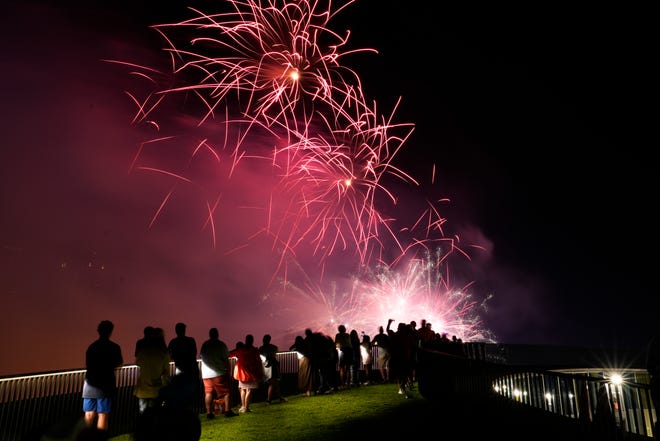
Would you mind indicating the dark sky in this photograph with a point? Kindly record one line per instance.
(536, 121)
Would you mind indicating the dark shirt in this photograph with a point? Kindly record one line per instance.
(102, 358)
(183, 352)
(269, 351)
(382, 340)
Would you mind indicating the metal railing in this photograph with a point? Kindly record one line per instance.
(595, 399)
(589, 397)
(29, 403)
(32, 402)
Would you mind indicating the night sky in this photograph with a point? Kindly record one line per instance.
(536, 121)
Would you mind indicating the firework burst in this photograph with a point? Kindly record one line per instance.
(277, 58)
(422, 289)
(417, 289)
(276, 64)
(270, 69)
(334, 184)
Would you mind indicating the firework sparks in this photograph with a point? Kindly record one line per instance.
(268, 70)
(333, 159)
(278, 58)
(334, 181)
(419, 289)
(422, 289)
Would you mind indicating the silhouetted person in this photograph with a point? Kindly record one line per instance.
(272, 374)
(402, 342)
(305, 372)
(366, 357)
(183, 388)
(148, 333)
(426, 333)
(153, 362)
(343, 344)
(183, 351)
(102, 357)
(249, 371)
(215, 374)
(325, 356)
(382, 342)
(314, 343)
(356, 357)
(330, 371)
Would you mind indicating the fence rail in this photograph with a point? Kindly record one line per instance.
(29, 403)
(591, 397)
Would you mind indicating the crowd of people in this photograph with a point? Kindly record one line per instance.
(326, 364)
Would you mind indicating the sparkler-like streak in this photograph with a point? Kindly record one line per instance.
(276, 64)
(272, 67)
(334, 181)
(275, 57)
(265, 60)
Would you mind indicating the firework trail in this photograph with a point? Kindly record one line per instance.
(334, 181)
(270, 89)
(276, 58)
(330, 150)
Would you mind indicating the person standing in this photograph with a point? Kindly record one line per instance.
(366, 357)
(354, 368)
(249, 371)
(102, 357)
(343, 344)
(148, 333)
(153, 362)
(328, 376)
(272, 375)
(402, 343)
(183, 351)
(215, 374)
(382, 342)
(183, 388)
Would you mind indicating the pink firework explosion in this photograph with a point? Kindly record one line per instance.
(276, 58)
(335, 183)
(421, 289)
(333, 168)
(417, 289)
(273, 95)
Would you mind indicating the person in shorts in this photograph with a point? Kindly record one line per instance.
(102, 357)
(215, 374)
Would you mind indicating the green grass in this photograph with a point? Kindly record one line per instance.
(348, 414)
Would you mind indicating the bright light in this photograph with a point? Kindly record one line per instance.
(548, 397)
(364, 352)
(616, 379)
